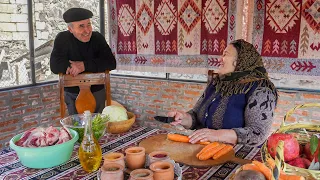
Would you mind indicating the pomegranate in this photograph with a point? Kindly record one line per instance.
(300, 162)
(291, 146)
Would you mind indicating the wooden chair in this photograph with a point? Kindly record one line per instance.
(85, 99)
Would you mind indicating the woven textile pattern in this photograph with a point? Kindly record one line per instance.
(171, 36)
(287, 34)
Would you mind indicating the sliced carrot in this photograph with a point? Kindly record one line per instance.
(207, 147)
(204, 143)
(208, 154)
(178, 138)
(283, 175)
(222, 152)
(291, 177)
(272, 164)
(250, 167)
(263, 169)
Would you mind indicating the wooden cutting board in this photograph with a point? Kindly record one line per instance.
(185, 153)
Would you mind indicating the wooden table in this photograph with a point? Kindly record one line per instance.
(11, 168)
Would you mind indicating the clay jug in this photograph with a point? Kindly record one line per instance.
(135, 157)
(114, 157)
(112, 171)
(162, 170)
(141, 174)
(158, 156)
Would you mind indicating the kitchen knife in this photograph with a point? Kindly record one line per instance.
(179, 129)
(164, 119)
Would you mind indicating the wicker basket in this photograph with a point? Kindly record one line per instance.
(121, 126)
(302, 132)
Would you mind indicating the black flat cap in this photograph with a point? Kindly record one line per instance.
(76, 14)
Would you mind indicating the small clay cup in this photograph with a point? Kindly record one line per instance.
(135, 157)
(112, 171)
(162, 170)
(141, 174)
(114, 157)
(158, 156)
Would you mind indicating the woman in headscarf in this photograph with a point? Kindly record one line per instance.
(238, 105)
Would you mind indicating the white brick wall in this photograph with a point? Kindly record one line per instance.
(38, 6)
(6, 36)
(45, 35)
(38, 34)
(8, 27)
(8, 8)
(21, 1)
(5, 17)
(36, 15)
(20, 35)
(24, 9)
(4, 1)
(19, 18)
(22, 27)
(40, 25)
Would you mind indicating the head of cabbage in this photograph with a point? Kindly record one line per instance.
(115, 113)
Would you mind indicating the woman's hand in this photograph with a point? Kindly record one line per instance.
(204, 135)
(221, 135)
(181, 118)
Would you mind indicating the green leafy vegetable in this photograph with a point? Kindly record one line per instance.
(115, 113)
(98, 127)
(313, 144)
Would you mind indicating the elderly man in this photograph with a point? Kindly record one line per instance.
(81, 50)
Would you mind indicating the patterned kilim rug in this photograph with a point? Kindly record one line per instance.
(172, 36)
(287, 34)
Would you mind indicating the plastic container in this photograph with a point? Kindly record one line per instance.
(44, 157)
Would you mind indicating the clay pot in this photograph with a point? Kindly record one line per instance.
(114, 158)
(135, 157)
(158, 156)
(141, 174)
(162, 170)
(112, 171)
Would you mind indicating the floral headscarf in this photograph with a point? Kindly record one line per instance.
(249, 70)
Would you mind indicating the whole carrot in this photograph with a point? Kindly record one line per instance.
(222, 152)
(182, 138)
(178, 137)
(208, 154)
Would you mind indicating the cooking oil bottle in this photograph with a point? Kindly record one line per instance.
(90, 154)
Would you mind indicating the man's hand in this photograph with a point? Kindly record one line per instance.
(77, 67)
(68, 70)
